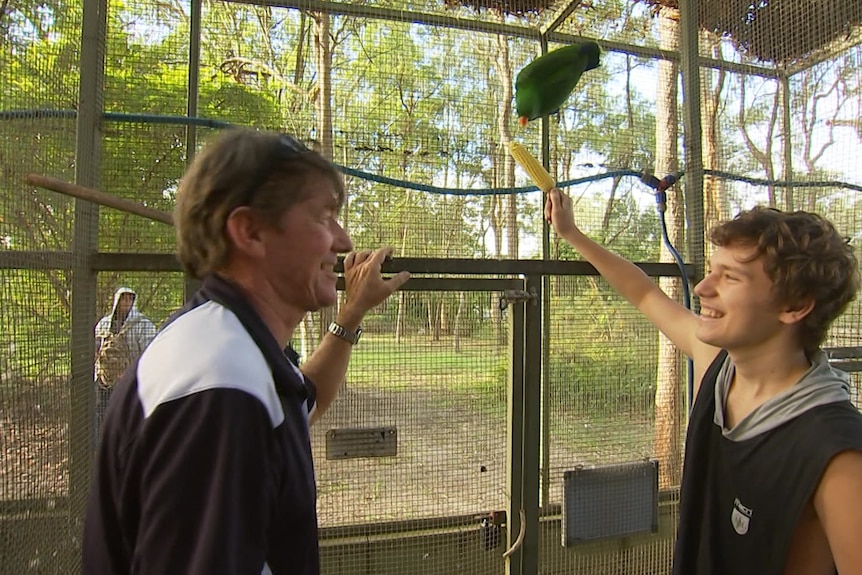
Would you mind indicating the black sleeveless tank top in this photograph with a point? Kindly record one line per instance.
(740, 501)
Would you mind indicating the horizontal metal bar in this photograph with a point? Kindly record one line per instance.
(848, 365)
(611, 46)
(167, 262)
(60, 506)
(395, 15)
(456, 284)
(659, 53)
(33, 507)
(469, 266)
(472, 25)
(126, 262)
(852, 351)
(739, 68)
(393, 528)
(35, 260)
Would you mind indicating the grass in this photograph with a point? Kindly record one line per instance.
(478, 368)
(478, 376)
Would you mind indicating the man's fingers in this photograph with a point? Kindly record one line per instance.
(398, 280)
(378, 256)
(363, 256)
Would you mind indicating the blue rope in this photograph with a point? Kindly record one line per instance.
(478, 191)
(220, 124)
(783, 183)
(661, 206)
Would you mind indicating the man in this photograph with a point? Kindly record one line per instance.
(205, 465)
(772, 481)
(121, 337)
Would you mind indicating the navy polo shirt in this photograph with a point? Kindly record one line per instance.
(205, 464)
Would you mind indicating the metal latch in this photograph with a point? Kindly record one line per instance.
(516, 296)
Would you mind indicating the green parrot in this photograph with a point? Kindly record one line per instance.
(544, 84)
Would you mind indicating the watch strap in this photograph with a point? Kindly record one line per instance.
(341, 332)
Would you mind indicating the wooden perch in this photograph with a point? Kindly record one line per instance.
(98, 197)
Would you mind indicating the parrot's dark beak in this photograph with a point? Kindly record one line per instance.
(523, 121)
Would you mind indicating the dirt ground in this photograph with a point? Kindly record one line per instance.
(451, 456)
(451, 459)
(34, 439)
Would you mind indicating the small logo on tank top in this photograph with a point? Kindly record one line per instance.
(740, 517)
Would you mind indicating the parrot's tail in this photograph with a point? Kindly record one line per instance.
(523, 121)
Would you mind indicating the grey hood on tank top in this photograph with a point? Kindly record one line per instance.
(820, 385)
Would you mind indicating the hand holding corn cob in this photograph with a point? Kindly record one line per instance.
(559, 211)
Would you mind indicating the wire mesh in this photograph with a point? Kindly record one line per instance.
(37, 524)
(141, 162)
(418, 98)
(430, 366)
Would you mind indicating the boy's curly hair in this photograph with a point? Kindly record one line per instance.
(806, 259)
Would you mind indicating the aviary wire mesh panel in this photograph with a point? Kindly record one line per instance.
(140, 162)
(432, 368)
(37, 527)
(414, 101)
(606, 368)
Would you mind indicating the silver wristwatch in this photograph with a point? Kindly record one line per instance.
(351, 337)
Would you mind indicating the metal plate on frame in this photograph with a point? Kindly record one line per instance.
(350, 443)
(610, 501)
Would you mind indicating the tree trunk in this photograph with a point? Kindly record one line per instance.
(505, 173)
(715, 207)
(434, 317)
(444, 314)
(401, 317)
(504, 73)
(626, 153)
(459, 317)
(668, 418)
(764, 156)
(323, 105)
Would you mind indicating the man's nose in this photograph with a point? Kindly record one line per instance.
(343, 243)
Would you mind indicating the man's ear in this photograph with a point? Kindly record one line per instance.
(243, 229)
(794, 313)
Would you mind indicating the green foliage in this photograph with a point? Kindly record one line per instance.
(409, 102)
(602, 378)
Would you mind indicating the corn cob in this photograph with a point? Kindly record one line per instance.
(531, 165)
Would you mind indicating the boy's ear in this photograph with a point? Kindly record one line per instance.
(796, 312)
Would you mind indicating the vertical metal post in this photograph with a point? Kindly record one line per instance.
(533, 422)
(689, 27)
(191, 285)
(546, 161)
(194, 75)
(514, 453)
(85, 242)
(546, 312)
(787, 140)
